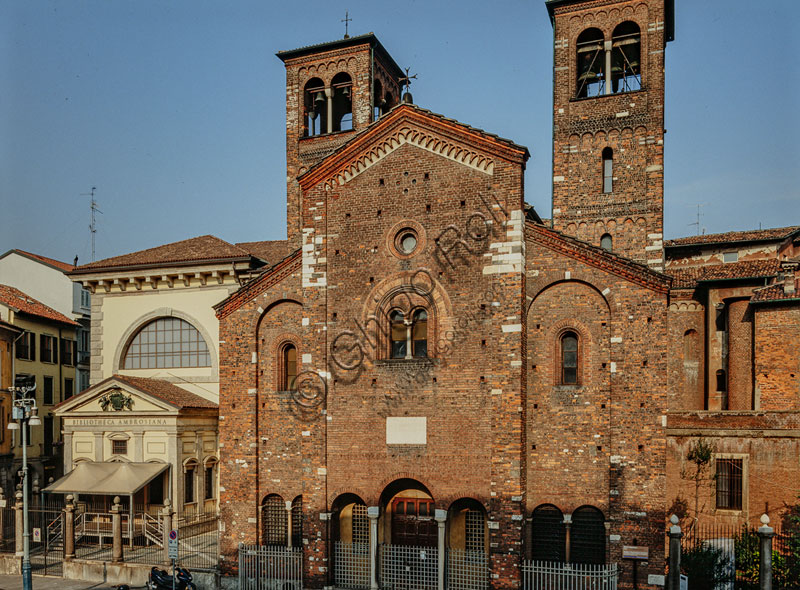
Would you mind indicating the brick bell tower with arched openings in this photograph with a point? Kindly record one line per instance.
(608, 123)
(333, 91)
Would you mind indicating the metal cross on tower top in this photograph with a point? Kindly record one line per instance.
(406, 80)
(346, 20)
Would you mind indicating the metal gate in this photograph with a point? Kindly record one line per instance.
(263, 567)
(46, 541)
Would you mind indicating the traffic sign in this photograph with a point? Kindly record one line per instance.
(172, 545)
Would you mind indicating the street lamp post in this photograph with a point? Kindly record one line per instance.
(24, 412)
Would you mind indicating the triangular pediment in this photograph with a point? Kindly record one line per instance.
(411, 125)
(114, 398)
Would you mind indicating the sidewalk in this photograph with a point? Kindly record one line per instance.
(50, 583)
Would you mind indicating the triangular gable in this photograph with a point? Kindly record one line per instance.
(257, 286)
(597, 257)
(98, 400)
(409, 124)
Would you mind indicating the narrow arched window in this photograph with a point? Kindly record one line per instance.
(569, 358)
(608, 170)
(398, 335)
(315, 110)
(606, 242)
(167, 343)
(377, 100)
(289, 359)
(626, 73)
(590, 64)
(419, 333)
(342, 89)
(297, 521)
(388, 103)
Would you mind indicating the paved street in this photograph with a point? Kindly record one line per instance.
(49, 583)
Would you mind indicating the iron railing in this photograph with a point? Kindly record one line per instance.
(546, 575)
(264, 567)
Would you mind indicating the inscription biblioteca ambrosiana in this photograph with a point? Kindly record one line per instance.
(116, 421)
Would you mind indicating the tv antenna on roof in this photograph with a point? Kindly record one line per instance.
(94, 209)
(699, 215)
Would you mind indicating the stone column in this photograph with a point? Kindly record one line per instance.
(607, 74)
(116, 531)
(372, 513)
(98, 447)
(441, 519)
(765, 532)
(675, 534)
(67, 452)
(329, 101)
(69, 528)
(138, 447)
(166, 527)
(289, 524)
(18, 525)
(568, 542)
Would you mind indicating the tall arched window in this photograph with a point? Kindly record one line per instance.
(297, 522)
(569, 358)
(273, 520)
(398, 328)
(590, 64)
(548, 534)
(626, 73)
(342, 86)
(606, 242)
(419, 333)
(377, 99)
(608, 170)
(315, 110)
(588, 536)
(288, 361)
(167, 343)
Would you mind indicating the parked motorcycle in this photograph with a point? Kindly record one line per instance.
(161, 580)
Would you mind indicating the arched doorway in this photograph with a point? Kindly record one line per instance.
(467, 545)
(408, 512)
(350, 533)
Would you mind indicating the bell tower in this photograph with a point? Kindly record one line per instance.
(333, 91)
(608, 123)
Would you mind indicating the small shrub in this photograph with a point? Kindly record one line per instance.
(705, 566)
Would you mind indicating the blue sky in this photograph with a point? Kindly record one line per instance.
(174, 109)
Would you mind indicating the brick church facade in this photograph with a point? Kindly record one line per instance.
(434, 356)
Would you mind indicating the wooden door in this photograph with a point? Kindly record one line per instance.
(413, 522)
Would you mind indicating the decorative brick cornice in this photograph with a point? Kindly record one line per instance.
(256, 287)
(598, 258)
(408, 124)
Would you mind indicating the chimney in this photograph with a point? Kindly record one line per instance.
(789, 277)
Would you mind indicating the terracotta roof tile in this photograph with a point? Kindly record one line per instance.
(270, 251)
(778, 233)
(687, 278)
(166, 391)
(191, 250)
(776, 293)
(66, 267)
(17, 300)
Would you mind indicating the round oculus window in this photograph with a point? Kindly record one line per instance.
(407, 242)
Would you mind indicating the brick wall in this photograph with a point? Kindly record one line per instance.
(777, 362)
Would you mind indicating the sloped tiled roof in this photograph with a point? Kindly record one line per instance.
(270, 251)
(16, 299)
(166, 391)
(687, 278)
(757, 235)
(66, 267)
(192, 250)
(776, 293)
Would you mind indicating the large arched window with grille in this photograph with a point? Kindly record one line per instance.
(273, 521)
(588, 536)
(548, 534)
(167, 343)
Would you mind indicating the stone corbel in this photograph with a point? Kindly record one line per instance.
(200, 277)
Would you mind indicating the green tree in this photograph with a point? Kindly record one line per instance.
(706, 566)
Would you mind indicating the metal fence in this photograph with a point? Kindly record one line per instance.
(467, 570)
(351, 565)
(46, 541)
(263, 567)
(408, 567)
(7, 528)
(198, 540)
(551, 575)
(730, 556)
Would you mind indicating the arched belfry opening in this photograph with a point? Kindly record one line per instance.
(626, 73)
(315, 112)
(342, 102)
(590, 64)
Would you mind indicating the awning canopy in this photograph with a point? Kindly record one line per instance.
(107, 478)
